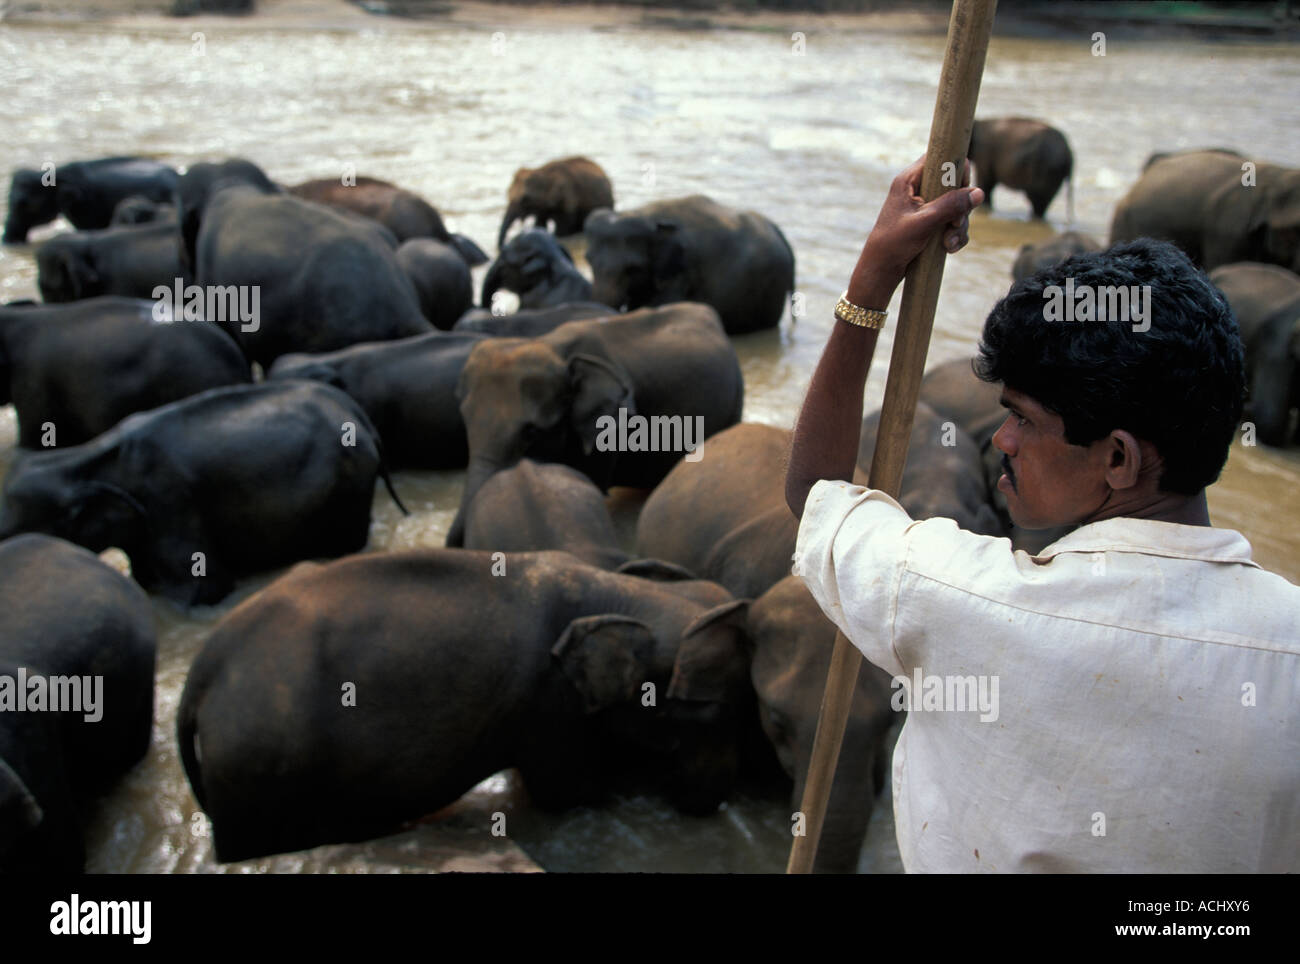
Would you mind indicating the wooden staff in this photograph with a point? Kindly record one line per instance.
(969, 29)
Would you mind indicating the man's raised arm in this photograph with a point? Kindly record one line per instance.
(826, 434)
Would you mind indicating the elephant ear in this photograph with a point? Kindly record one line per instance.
(710, 661)
(82, 276)
(656, 570)
(606, 658)
(599, 391)
(1282, 233)
(667, 255)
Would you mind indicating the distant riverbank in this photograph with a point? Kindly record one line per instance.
(1138, 21)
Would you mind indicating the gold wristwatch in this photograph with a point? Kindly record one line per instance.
(847, 311)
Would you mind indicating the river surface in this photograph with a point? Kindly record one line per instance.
(451, 111)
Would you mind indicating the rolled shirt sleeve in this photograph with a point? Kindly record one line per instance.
(850, 552)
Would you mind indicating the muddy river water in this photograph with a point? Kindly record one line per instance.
(810, 138)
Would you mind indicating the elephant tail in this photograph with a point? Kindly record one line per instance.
(363, 418)
(790, 248)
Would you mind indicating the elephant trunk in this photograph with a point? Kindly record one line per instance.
(513, 213)
(492, 283)
(480, 470)
(15, 231)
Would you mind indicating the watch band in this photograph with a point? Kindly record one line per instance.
(847, 311)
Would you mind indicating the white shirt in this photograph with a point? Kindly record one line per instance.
(1147, 674)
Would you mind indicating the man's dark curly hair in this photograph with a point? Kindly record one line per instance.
(1179, 385)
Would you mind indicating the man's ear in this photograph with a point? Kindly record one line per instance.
(1125, 459)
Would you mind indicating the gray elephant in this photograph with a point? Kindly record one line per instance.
(1033, 258)
(225, 483)
(543, 505)
(537, 268)
(953, 391)
(561, 192)
(86, 633)
(405, 214)
(1217, 206)
(441, 278)
(692, 249)
(73, 371)
(618, 398)
(130, 260)
(724, 517)
(1025, 155)
(138, 209)
(530, 322)
(346, 699)
(1266, 301)
(84, 192)
(943, 476)
(323, 279)
(407, 388)
(792, 642)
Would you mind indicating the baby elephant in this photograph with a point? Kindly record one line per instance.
(543, 505)
(346, 699)
(131, 260)
(228, 482)
(563, 192)
(73, 371)
(537, 268)
(85, 192)
(1023, 154)
(77, 646)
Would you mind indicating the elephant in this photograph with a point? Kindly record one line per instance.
(73, 371)
(1033, 258)
(543, 505)
(944, 474)
(953, 391)
(792, 642)
(137, 209)
(618, 398)
(1266, 301)
(405, 214)
(87, 633)
(1025, 155)
(537, 268)
(228, 482)
(347, 698)
(1217, 207)
(692, 249)
(325, 279)
(530, 323)
(131, 260)
(724, 517)
(84, 192)
(407, 388)
(563, 192)
(441, 279)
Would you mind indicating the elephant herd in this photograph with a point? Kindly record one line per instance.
(211, 437)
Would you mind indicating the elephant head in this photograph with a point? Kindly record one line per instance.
(199, 185)
(636, 260)
(31, 202)
(56, 493)
(532, 259)
(66, 270)
(1282, 223)
(534, 191)
(519, 397)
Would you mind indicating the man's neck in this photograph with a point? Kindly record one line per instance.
(1190, 510)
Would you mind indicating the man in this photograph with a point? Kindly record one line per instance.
(1129, 698)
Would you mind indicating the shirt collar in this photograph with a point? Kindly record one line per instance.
(1151, 537)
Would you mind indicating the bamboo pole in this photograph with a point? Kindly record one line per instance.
(969, 29)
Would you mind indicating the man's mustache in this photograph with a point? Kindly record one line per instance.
(1011, 476)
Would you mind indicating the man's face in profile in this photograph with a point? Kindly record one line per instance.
(1047, 481)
